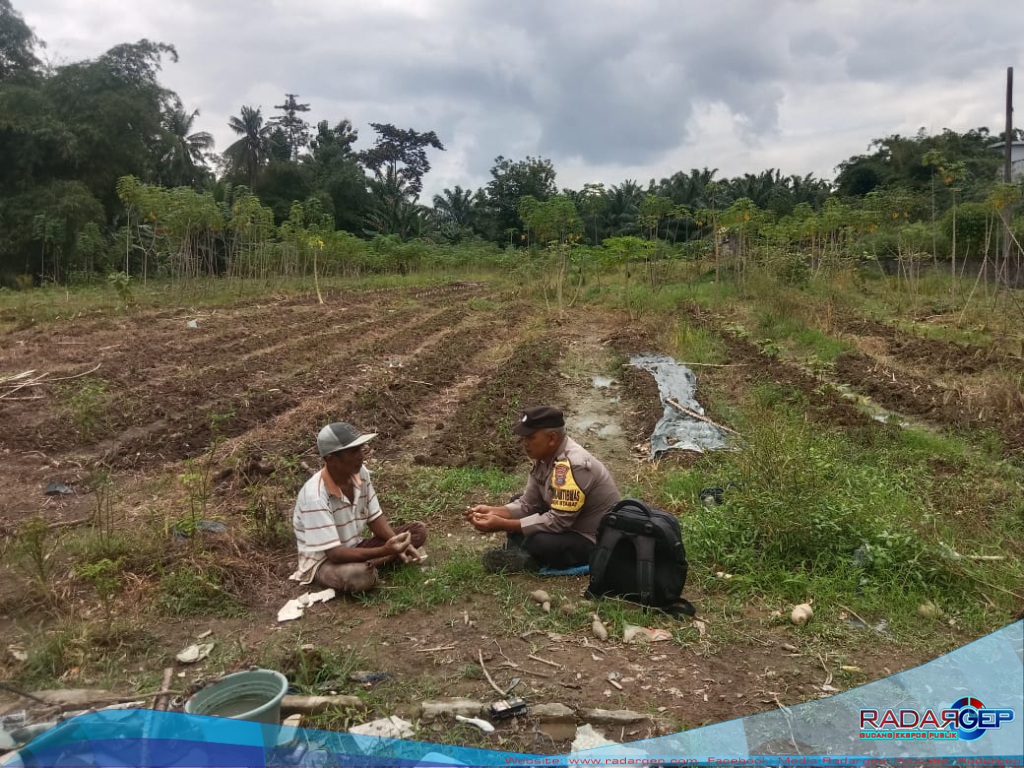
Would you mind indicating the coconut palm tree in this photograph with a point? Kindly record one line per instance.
(252, 151)
(184, 156)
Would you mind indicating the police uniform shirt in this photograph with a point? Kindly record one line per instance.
(574, 486)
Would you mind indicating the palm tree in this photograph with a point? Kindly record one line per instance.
(185, 150)
(394, 210)
(624, 207)
(252, 151)
(453, 213)
(454, 206)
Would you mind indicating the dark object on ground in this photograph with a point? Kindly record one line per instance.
(640, 557)
(58, 489)
(509, 560)
(506, 708)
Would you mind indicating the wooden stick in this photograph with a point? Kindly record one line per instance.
(439, 648)
(851, 612)
(699, 417)
(480, 655)
(554, 664)
(714, 365)
(158, 700)
(614, 683)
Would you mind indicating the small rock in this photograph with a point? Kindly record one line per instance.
(613, 716)
(392, 727)
(440, 708)
(552, 712)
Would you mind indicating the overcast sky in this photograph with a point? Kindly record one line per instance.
(606, 89)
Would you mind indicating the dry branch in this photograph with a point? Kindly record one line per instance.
(480, 655)
(700, 417)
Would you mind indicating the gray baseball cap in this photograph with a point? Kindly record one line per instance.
(340, 436)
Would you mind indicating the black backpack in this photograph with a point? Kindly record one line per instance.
(640, 557)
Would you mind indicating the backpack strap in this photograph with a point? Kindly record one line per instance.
(600, 557)
(645, 568)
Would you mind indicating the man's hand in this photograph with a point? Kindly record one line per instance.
(397, 544)
(409, 555)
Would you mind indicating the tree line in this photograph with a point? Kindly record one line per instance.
(102, 168)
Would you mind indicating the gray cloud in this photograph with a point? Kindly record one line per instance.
(607, 89)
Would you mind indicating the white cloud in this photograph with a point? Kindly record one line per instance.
(607, 89)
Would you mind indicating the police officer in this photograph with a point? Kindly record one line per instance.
(554, 522)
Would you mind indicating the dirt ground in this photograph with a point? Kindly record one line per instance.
(437, 373)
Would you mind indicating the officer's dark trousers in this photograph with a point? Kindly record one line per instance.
(555, 550)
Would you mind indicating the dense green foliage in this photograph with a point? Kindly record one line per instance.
(102, 170)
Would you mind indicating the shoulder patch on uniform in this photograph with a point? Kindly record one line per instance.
(566, 496)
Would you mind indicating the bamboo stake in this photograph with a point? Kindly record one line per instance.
(699, 417)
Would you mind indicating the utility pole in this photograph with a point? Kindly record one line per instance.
(1007, 165)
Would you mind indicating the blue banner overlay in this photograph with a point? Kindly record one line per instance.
(964, 708)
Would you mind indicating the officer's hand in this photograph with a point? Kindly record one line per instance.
(485, 522)
(478, 509)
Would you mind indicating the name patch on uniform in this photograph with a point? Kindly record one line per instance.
(566, 496)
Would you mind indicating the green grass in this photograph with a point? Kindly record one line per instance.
(92, 651)
(447, 578)
(56, 303)
(801, 339)
(856, 518)
(418, 493)
(85, 402)
(195, 589)
(691, 344)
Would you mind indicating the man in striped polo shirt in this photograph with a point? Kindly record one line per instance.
(333, 511)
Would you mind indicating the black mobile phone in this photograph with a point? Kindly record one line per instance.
(510, 707)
